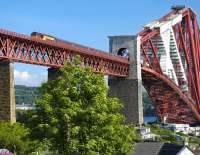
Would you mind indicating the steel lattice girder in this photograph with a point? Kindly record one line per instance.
(21, 48)
(185, 104)
(164, 91)
(175, 102)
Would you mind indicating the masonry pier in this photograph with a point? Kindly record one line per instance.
(7, 92)
(129, 89)
(53, 73)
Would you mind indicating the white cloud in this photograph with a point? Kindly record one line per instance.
(29, 78)
(21, 75)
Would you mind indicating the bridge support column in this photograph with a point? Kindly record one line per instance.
(129, 89)
(53, 73)
(7, 93)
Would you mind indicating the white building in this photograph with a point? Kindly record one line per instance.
(194, 131)
(146, 133)
(25, 106)
(184, 128)
(160, 148)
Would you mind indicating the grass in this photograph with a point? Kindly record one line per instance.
(170, 136)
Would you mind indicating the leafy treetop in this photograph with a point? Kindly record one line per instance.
(77, 117)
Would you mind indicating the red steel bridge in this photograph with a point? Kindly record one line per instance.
(170, 61)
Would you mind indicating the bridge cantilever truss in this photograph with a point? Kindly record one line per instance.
(170, 50)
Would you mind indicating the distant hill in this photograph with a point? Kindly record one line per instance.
(25, 94)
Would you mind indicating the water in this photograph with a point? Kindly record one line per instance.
(149, 119)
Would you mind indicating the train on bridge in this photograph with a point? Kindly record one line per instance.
(169, 53)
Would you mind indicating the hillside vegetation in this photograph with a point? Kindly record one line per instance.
(25, 94)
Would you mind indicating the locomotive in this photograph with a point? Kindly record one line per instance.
(47, 37)
(42, 36)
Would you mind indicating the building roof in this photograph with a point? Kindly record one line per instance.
(156, 148)
(146, 148)
(169, 148)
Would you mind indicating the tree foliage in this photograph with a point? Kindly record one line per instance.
(78, 118)
(15, 138)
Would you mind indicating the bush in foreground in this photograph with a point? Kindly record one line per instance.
(15, 138)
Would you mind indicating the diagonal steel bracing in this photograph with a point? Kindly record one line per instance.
(21, 48)
(170, 52)
(177, 86)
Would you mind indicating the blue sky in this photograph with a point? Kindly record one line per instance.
(87, 22)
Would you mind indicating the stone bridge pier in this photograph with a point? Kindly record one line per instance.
(53, 73)
(7, 90)
(7, 93)
(129, 89)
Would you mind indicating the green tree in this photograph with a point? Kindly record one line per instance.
(76, 115)
(15, 138)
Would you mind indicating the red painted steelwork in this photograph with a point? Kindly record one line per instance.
(168, 98)
(22, 48)
(164, 90)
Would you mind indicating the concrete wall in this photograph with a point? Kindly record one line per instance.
(7, 93)
(128, 90)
